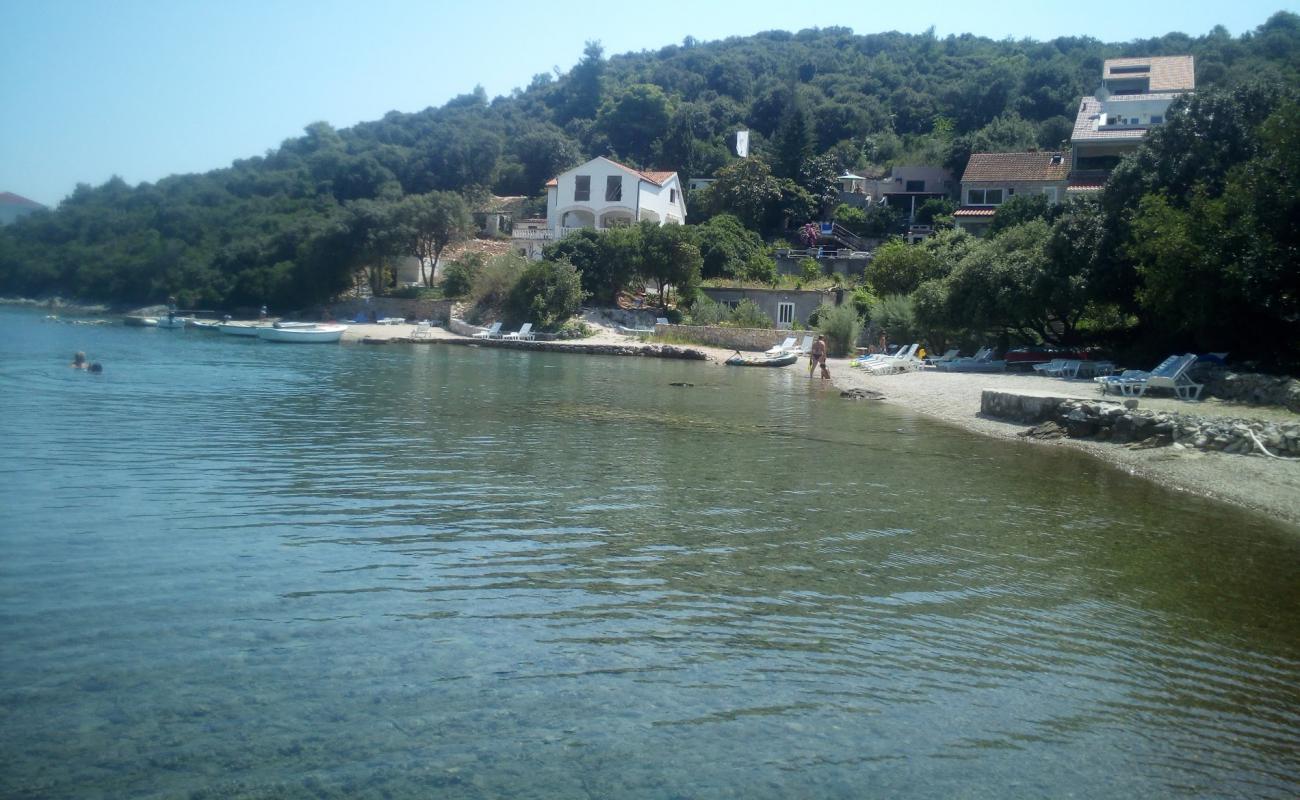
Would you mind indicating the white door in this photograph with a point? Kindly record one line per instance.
(784, 315)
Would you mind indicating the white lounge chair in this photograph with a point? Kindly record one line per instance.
(491, 333)
(902, 362)
(662, 321)
(1169, 374)
(1052, 367)
(525, 332)
(805, 346)
(422, 330)
(779, 349)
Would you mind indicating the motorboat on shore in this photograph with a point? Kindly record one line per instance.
(782, 360)
(140, 322)
(302, 333)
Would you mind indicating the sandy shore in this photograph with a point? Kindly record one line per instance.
(1268, 486)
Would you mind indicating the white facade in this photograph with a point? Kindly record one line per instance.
(603, 194)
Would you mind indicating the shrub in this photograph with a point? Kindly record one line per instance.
(841, 327)
(760, 268)
(809, 270)
(749, 315)
(546, 294)
(707, 312)
(895, 315)
(458, 277)
(495, 282)
(573, 329)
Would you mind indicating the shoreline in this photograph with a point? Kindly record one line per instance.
(1252, 483)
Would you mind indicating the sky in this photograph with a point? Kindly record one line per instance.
(147, 88)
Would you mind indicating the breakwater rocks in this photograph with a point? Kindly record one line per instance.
(1251, 387)
(642, 350)
(1124, 423)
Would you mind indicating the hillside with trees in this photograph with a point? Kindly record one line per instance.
(299, 224)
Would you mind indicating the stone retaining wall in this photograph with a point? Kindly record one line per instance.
(435, 310)
(756, 339)
(1123, 422)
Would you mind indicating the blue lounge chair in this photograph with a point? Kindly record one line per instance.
(1169, 374)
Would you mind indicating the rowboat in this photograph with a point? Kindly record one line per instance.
(783, 360)
(239, 328)
(323, 334)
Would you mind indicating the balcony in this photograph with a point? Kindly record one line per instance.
(543, 234)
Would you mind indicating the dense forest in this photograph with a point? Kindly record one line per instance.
(297, 225)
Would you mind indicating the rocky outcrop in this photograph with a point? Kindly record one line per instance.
(1250, 387)
(1123, 424)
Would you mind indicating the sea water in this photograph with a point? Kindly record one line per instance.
(233, 568)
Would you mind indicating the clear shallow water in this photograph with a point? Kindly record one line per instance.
(232, 568)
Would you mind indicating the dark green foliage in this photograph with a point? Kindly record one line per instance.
(726, 247)
(458, 277)
(1021, 209)
(841, 326)
(747, 314)
(546, 294)
(285, 228)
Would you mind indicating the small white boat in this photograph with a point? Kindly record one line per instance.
(315, 333)
(174, 322)
(239, 328)
(205, 324)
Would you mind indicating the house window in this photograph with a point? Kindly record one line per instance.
(1050, 193)
(582, 188)
(784, 315)
(915, 186)
(984, 197)
(1157, 119)
(614, 188)
(672, 195)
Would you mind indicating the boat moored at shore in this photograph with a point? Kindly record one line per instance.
(300, 333)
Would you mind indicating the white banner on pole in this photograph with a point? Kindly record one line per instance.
(742, 144)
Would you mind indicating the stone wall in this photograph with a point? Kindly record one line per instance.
(1123, 422)
(435, 310)
(756, 339)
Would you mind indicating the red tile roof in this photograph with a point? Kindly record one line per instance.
(974, 212)
(11, 199)
(1044, 166)
(658, 178)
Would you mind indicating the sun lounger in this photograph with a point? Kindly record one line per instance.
(982, 361)
(902, 362)
(1052, 367)
(804, 347)
(951, 355)
(662, 321)
(525, 332)
(422, 330)
(1169, 374)
(491, 333)
(783, 347)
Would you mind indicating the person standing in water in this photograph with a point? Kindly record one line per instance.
(818, 357)
(79, 361)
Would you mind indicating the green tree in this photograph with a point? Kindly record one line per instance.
(898, 268)
(670, 257)
(434, 220)
(458, 278)
(726, 246)
(841, 326)
(635, 119)
(746, 189)
(547, 293)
